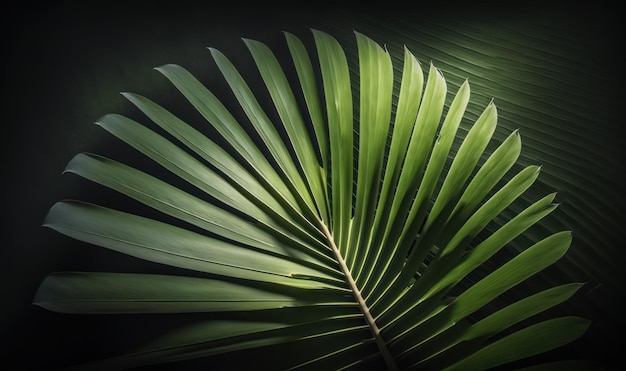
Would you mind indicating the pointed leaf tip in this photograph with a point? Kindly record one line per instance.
(165, 66)
(552, 195)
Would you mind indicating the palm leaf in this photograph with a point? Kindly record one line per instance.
(345, 232)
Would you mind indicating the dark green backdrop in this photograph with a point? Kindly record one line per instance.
(554, 71)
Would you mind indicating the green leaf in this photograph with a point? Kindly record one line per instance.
(166, 244)
(521, 310)
(376, 74)
(289, 112)
(261, 205)
(266, 130)
(524, 343)
(83, 292)
(214, 337)
(530, 261)
(307, 79)
(336, 79)
(441, 349)
(464, 162)
(223, 121)
(419, 147)
(404, 121)
(175, 202)
(177, 161)
(447, 257)
(200, 340)
(332, 255)
(496, 241)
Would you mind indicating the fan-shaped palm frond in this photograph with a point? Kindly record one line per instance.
(372, 265)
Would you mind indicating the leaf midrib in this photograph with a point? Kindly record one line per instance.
(380, 342)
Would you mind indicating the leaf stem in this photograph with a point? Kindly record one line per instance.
(382, 346)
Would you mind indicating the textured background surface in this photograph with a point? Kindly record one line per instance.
(554, 74)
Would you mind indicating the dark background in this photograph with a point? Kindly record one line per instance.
(63, 67)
